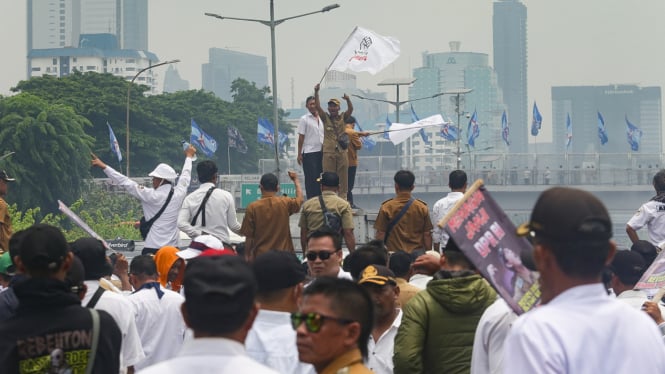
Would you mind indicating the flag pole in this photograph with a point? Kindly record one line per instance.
(338, 52)
(228, 157)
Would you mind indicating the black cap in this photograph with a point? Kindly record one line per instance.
(628, 266)
(43, 248)
(377, 274)
(93, 256)
(277, 270)
(5, 177)
(328, 179)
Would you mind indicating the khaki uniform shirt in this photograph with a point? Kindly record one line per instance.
(407, 234)
(5, 226)
(331, 129)
(354, 146)
(406, 291)
(311, 217)
(266, 222)
(350, 362)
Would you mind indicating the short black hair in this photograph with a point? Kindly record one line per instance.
(368, 254)
(350, 120)
(457, 179)
(349, 301)
(269, 182)
(308, 99)
(143, 265)
(15, 244)
(455, 256)
(206, 171)
(582, 258)
(400, 263)
(323, 232)
(659, 181)
(404, 179)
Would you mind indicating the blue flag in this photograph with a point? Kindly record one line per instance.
(449, 132)
(472, 129)
(414, 118)
(265, 132)
(236, 140)
(368, 143)
(388, 124)
(569, 131)
(204, 142)
(634, 135)
(537, 120)
(505, 131)
(602, 133)
(115, 147)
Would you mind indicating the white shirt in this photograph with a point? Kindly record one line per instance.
(272, 342)
(312, 128)
(159, 323)
(380, 358)
(493, 327)
(210, 356)
(583, 330)
(165, 230)
(341, 274)
(420, 280)
(122, 311)
(652, 215)
(220, 214)
(440, 209)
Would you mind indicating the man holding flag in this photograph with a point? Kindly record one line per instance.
(335, 140)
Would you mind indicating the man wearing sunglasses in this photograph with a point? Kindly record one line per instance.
(324, 254)
(333, 326)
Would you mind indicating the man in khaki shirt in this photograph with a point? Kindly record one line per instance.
(414, 229)
(311, 217)
(5, 219)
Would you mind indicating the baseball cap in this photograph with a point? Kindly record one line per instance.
(334, 101)
(377, 274)
(200, 244)
(566, 215)
(92, 254)
(628, 266)
(277, 270)
(218, 288)
(6, 264)
(164, 171)
(329, 179)
(43, 248)
(5, 177)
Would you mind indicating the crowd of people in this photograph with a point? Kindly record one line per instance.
(409, 301)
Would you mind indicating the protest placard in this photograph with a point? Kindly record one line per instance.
(654, 277)
(483, 231)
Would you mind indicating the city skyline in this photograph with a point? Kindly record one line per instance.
(568, 43)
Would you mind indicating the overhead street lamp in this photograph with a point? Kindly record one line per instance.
(129, 89)
(272, 23)
(456, 100)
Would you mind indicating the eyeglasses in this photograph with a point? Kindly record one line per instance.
(314, 321)
(323, 255)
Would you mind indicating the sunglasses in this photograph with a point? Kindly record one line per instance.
(314, 321)
(323, 255)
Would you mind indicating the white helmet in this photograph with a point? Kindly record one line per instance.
(165, 172)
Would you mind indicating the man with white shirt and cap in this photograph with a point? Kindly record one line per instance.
(163, 200)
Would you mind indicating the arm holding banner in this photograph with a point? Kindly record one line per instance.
(317, 101)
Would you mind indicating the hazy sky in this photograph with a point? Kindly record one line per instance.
(570, 42)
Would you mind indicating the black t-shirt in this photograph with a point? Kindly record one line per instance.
(52, 333)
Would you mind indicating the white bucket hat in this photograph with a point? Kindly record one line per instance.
(165, 172)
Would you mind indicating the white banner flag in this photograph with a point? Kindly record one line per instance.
(399, 132)
(365, 50)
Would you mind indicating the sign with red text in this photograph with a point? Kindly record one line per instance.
(487, 237)
(654, 277)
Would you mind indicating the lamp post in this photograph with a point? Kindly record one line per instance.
(272, 23)
(397, 103)
(456, 99)
(129, 89)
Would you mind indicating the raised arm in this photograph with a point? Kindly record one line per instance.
(317, 100)
(349, 106)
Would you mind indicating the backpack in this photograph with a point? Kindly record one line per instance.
(331, 221)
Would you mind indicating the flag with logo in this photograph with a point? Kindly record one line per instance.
(602, 132)
(236, 140)
(115, 146)
(634, 135)
(505, 131)
(537, 120)
(386, 134)
(204, 142)
(423, 134)
(368, 143)
(365, 50)
(569, 131)
(473, 130)
(265, 132)
(449, 132)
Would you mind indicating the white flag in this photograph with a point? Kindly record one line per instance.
(365, 50)
(399, 132)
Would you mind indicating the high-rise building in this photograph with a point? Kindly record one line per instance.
(173, 82)
(510, 64)
(615, 103)
(225, 66)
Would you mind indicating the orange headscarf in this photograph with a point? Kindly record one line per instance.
(164, 259)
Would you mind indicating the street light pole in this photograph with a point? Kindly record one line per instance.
(457, 94)
(272, 23)
(129, 89)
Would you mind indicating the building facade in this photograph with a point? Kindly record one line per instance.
(224, 66)
(510, 64)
